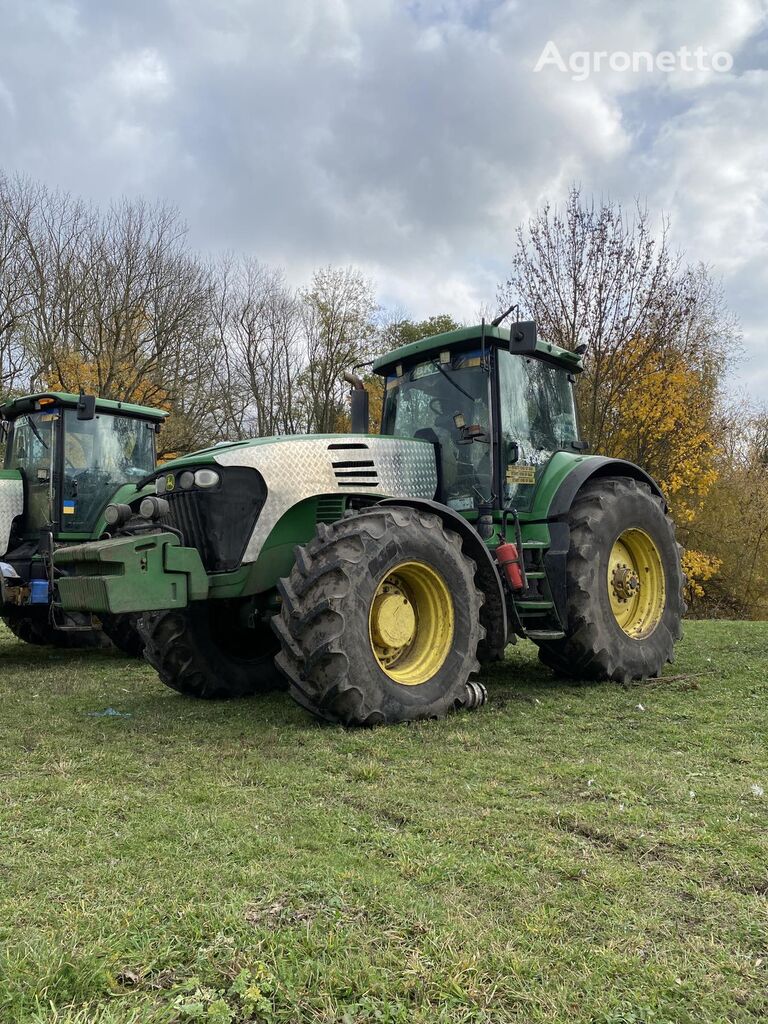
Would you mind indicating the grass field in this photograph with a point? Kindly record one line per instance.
(574, 854)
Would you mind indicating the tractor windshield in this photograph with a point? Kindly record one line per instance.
(448, 402)
(99, 456)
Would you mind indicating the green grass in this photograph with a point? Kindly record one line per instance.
(559, 856)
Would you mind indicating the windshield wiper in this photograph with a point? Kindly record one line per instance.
(450, 381)
(36, 432)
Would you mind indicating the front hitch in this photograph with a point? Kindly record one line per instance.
(149, 572)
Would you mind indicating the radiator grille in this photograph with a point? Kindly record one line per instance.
(329, 509)
(218, 521)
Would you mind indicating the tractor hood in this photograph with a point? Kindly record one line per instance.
(292, 469)
(210, 455)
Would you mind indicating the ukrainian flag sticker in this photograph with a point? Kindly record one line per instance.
(69, 508)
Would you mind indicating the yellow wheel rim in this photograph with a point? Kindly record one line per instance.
(410, 623)
(636, 583)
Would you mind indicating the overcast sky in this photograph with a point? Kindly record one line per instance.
(406, 138)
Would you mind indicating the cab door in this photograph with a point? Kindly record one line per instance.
(32, 450)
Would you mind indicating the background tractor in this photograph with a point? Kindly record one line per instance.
(66, 458)
(378, 572)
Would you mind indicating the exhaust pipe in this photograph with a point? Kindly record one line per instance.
(358, 404)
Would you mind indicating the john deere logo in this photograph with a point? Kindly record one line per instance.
(170, 482)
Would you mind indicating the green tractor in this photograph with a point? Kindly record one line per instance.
(66, 458)
(378, 572)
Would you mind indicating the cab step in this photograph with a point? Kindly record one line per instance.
(544, 634)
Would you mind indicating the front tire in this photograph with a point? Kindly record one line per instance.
(380, 621)
(122, 631)
(624, 586)
(36, 630)
(201, 651)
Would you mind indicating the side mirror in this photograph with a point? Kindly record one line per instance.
(522, 337)
(86, 407)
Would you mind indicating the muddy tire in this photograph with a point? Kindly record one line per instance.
(122, 632)
(40, 633)
(380, 621)
(624, 586)
(200, 651)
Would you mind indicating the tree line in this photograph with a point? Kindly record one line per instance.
(115, 301)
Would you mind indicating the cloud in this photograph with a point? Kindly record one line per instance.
(140, 75)
(409, 139)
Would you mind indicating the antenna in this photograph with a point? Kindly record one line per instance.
(503, 316)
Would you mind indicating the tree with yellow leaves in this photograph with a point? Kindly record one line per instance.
(664, 421)
(73, 374)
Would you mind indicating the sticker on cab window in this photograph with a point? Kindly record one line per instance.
(521, 474)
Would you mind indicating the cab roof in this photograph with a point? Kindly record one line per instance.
(47, 399)
(525, 342)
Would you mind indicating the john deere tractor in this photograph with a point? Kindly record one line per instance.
(377, 573)
(66, 458)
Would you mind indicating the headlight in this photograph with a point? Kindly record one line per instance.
(186, 480)
(207, 478)
(116, 515)
(153, 508)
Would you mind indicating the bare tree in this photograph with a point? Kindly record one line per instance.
(337, 315)
(17, 204)
(257, 353)
(591, 275)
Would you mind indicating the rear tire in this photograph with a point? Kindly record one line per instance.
(200, 651)
(347, 591)
(607, 512)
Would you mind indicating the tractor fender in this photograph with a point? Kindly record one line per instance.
(487, 578)
(596, 466)
(591, 468)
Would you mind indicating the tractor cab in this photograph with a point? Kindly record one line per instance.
(496, 403)
(72, 454)
(66, 457)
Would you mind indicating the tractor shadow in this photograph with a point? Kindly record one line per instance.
(110, 680)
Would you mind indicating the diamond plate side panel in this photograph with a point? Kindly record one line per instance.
(297, 469)
(11, 505)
